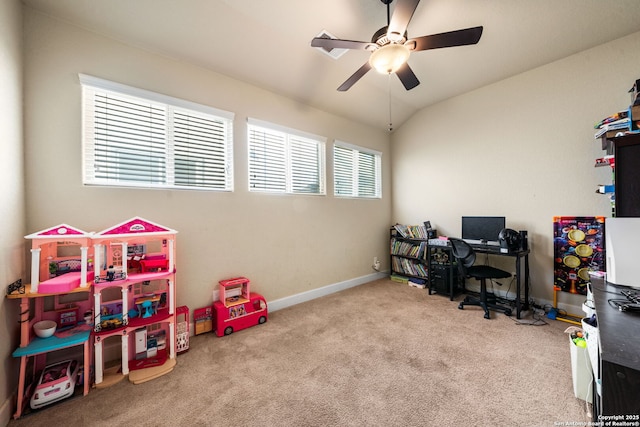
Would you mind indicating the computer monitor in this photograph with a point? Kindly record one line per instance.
(482, 229)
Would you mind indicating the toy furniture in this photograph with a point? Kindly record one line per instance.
(234, 291)
(182, 329)
(203, 320)
(154, 263)
(150, 288)
(60, 259)
(78, 272)
(147, 305)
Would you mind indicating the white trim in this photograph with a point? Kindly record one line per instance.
(356, 147)
(6, 409)
(97, 82)
(323, 291)
(280, 128)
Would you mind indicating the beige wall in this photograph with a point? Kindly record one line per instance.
(522, 148)
(12, 211)
(284, 244)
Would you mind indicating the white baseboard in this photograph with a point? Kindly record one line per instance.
(6, 410)
(323, 291)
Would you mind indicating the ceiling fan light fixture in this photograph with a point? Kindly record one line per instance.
(389, 58)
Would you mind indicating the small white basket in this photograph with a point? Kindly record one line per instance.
(591, 335)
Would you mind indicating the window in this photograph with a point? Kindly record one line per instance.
(356, 171)
(137, 138)
(283, 160)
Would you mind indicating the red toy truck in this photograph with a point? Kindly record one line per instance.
(241, 315)
(238, 308)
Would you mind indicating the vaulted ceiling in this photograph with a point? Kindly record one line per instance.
(267, 43)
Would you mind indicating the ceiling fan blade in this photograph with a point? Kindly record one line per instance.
(449, 39)
(355, 77)
(402, 14)
(339, 44)
(407, 77)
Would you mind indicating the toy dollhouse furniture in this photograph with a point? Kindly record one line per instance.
(67, 293)
(234, 291)
(203, 320)
(182, 329)
(145, 300)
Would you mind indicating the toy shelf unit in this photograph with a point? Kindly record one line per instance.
(72, 338)
(134, 295)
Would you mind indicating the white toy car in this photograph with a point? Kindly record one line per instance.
(57, 382)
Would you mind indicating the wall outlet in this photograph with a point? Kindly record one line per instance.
(376, 264)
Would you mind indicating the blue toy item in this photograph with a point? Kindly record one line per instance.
(147, 309)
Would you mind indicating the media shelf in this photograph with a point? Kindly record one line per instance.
(407, 252)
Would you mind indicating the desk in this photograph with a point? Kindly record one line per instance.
(619, 335)
(520, 257)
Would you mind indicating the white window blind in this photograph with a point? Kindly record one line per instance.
(137, 138)
(283, 160)
(356, 171)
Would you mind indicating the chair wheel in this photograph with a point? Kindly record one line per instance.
(507, 312)
(487, 316)
(461, 306)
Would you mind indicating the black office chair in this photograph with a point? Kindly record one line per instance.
(466, 257)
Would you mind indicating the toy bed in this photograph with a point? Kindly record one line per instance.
(67, 277)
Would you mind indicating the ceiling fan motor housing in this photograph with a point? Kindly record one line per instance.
(381, 38)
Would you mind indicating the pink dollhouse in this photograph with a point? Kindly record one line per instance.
(60, 259)
(115, 287)
(60, 290)
(134, 300)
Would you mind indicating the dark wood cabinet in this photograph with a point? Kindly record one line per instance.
(618, 382)
(627, 175)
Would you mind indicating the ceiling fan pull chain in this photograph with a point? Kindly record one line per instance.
(389, 86)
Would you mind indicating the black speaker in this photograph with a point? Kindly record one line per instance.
(524, 243)
(509, 239)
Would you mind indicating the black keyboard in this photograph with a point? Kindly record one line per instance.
(485, 248)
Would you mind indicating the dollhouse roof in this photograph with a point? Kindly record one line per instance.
(62, 230)
(135, 226)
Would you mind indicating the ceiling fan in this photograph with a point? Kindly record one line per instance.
(390, 46)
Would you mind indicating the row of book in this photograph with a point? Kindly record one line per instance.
(412, 231)
(409, 266)
(399, 247)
